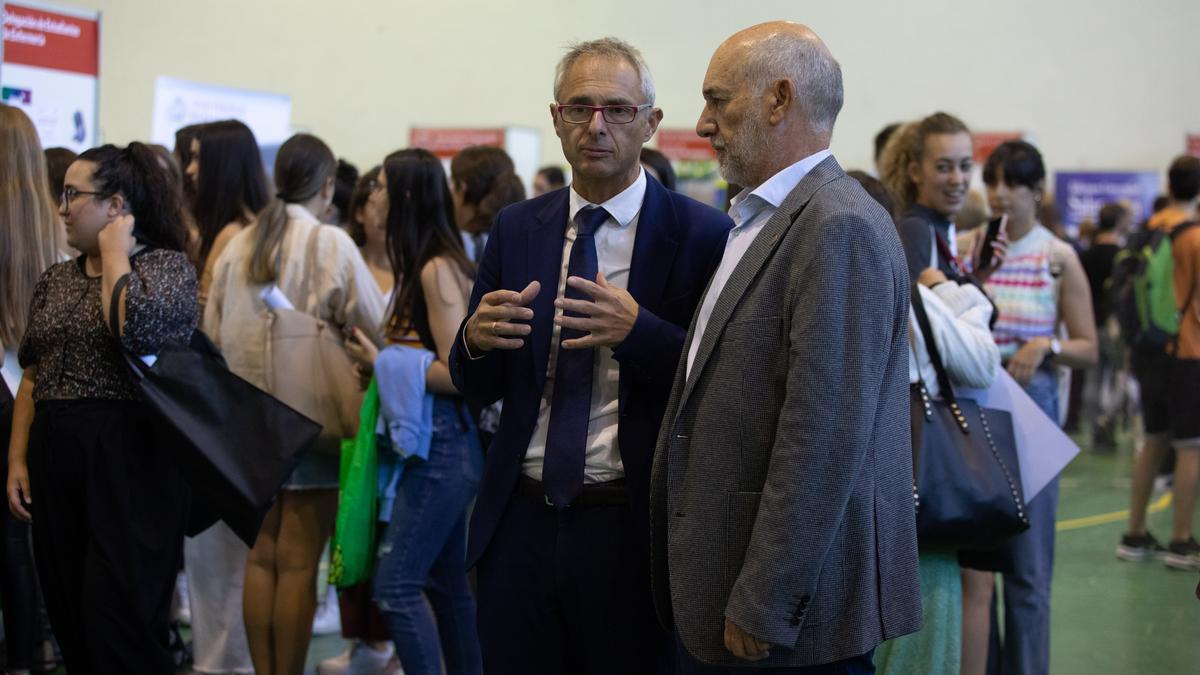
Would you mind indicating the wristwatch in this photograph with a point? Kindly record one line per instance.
(1055, 348)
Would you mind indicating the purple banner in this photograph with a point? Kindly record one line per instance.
(1080, 194)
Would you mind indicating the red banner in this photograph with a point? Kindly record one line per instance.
(33, 37)
(683, 145)
(1193, 144)
(448, 142)
(987, 141)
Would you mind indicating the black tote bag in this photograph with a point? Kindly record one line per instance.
(967, 479)
(235, 444)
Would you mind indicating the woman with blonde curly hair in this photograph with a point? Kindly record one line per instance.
(926, 166)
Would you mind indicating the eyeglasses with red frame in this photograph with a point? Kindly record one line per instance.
(578, 113)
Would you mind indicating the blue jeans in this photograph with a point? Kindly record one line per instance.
(1026, 647)
(423, 552)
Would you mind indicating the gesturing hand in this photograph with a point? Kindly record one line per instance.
(494, 323)
(607, 317)
(744, 645)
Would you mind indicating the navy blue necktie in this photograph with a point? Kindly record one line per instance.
(571, 405)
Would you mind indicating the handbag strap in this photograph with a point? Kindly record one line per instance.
(935, 357)
(310, 265)
(114, 313)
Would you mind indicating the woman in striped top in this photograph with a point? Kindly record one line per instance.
(1040, 286)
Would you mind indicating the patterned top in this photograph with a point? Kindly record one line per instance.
(69, 342)
(1025, 289)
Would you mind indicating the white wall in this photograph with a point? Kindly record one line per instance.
(1098, 83)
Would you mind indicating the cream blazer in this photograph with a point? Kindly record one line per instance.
(342, 292)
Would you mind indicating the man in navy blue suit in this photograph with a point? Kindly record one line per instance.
(581, 304)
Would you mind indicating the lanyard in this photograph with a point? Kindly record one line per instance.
(944, 251)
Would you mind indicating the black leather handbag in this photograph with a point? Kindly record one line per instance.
(235, 444)
(967, 481)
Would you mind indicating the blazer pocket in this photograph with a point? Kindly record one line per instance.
(740, 514)
(830, 602)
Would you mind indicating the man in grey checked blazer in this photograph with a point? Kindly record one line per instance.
(782, 506)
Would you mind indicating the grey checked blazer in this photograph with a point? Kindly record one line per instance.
(782, 485)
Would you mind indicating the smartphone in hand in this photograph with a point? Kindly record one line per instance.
(994, 228)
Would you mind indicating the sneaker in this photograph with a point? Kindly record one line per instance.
(1183, 555)
(366, 660)
(328, 619)
(339, 664)
(393, 666)
(1136, 548)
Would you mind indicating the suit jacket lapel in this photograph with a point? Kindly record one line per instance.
(654, 247)
(545, 247)
(747, 269)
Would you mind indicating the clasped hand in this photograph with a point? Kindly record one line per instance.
(744, 645)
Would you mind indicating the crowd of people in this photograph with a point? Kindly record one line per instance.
(620, 431)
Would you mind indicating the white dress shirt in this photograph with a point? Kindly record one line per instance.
(614, 250)
(750, 211)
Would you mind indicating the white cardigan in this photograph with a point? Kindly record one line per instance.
(959, 318)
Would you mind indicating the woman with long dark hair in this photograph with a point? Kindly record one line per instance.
(226, 173)
(108, 503)
(369, 647)
(423, 553)
(230, 185)
(271, 255)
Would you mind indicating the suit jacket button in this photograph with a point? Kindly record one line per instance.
(794, 622)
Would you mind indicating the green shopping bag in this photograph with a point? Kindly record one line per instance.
(354, 534)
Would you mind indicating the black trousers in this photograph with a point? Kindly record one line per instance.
(686, 664)
(569, 592)
(109, 508)
(18, 581)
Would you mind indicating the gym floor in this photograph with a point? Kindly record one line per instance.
(1109, 616)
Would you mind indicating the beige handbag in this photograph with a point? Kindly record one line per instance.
(307, 366)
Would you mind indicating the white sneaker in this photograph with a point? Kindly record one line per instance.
(392, 668)
(339, 664)
(366, 660)
(328, 620)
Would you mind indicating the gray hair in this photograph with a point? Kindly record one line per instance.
(815, 75)
(609, 47)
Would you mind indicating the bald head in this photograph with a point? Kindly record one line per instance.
(771, 95)
(782, 50)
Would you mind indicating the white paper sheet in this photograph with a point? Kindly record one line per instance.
(1043, 449)
(275, 298)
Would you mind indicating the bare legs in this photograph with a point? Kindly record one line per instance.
(1145, 468)
(1187, 473)
(281, 580)
(977, 620)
